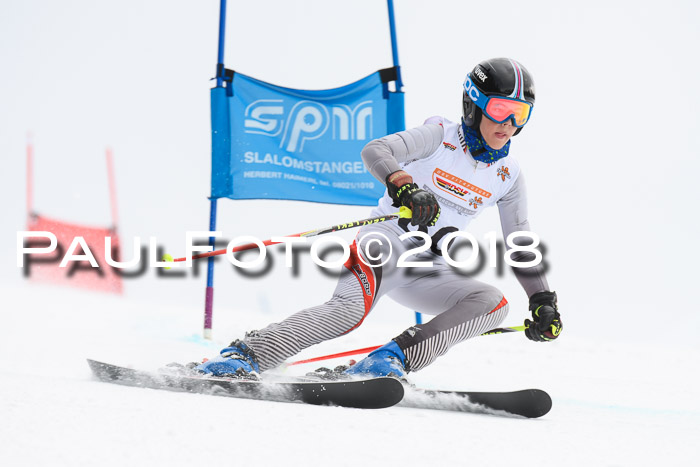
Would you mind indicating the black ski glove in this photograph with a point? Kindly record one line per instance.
(547, 322)
(404, 192)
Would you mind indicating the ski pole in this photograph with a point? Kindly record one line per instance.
(505, 330)
(370, 349)
(403, 212)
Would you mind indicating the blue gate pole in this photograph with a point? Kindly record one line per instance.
(209, 294)
(222, 36)
(394, 45)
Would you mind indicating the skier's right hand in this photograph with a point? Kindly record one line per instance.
(422, 203)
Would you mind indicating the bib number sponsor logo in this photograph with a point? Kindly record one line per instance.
(456, 186)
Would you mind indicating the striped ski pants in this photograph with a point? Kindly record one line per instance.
(462, 307)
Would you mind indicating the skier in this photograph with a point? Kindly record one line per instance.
(447, 173)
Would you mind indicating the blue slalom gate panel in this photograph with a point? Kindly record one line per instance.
(271, 142)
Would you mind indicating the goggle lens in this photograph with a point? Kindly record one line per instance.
(501, 109)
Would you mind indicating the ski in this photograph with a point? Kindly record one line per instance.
(374, 393)
(529, 403)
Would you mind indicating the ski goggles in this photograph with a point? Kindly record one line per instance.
(497, 108)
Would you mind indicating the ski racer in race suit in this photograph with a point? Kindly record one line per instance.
(447, 173)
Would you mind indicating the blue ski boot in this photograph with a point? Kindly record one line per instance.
(236, 361)
(387, 360)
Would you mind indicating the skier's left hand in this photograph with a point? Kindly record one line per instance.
(545, 313)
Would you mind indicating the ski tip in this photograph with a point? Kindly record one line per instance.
(528, 403)
(96, 365)
(99, 369)
(540, 403)
(93, 363)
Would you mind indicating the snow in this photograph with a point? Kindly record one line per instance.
(609, 157)
(614, 404)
